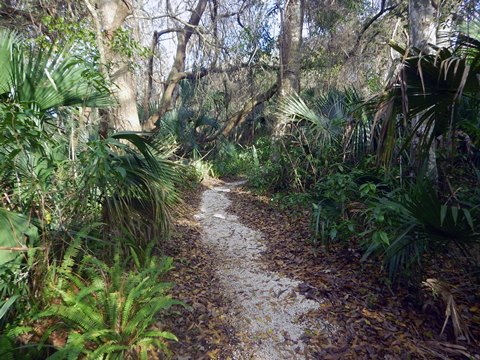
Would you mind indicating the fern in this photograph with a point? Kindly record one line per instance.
(111, 311)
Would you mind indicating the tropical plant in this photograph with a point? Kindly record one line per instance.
(108, 313)
(330, 128)
(294, 109)
(14, 291)
(186, 125)
(51, 188)
(201, 166)
(47, 79)
(426, 96)
(37, 88)
(232, 159)
(16, 267)
(330, 218)
(134, 181)
(425, 225)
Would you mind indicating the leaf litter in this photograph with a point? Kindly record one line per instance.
(371, 320)
(356, 315)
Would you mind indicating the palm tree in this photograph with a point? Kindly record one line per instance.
(430, 89)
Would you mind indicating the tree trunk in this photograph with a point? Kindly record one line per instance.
(423, 31)
(178, 67)
(290, 48)
(240, 116)
(423, 24)
(149, 86)
(290, 55)
(109, 17)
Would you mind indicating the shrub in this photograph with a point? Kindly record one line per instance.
(421, 224)
(106, 312)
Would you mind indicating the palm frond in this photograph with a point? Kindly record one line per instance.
(421, 101)
(293, 109)
(8, 39)
(136, 184)
(425, 223)
(48, 79)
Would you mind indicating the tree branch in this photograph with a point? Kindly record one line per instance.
(383, 10)
(240, 116)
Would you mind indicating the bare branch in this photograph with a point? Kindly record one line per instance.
(240, 116)
(383, 9)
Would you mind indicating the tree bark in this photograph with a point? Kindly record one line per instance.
(149, 87)
(422, 16)
(423, 25)
(290, 57)
(290, 48)
(178, 67)
(109, 17)
(240, 116)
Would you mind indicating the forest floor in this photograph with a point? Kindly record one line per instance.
(254, 289)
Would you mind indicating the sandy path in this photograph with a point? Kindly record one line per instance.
(265, 305)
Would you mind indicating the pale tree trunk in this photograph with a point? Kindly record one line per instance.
(109, 16)
(290, 48)
(423, 23)
(446, 29)
(178, 67)
(149, 83)
(290, 54)
(423, 31)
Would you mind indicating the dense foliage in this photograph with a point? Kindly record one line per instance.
(100, 131)
(65, 189)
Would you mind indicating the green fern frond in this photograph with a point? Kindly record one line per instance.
(80, 314)
(160, 334)
(107, 349)
(130, 302)
(149, 310)
(69, 257)
(6, 347)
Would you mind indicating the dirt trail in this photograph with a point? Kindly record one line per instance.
(265, 306)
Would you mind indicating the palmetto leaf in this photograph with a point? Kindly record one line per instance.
(47, 79)
(136, 184)
(294, 109)
(425, 223)
(426, 89)
(15, 229)
(8, 39)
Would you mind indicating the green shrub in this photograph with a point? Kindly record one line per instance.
(232, 160)
(419, 224)
(330, 219)
(107, 312)
(133, 181)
